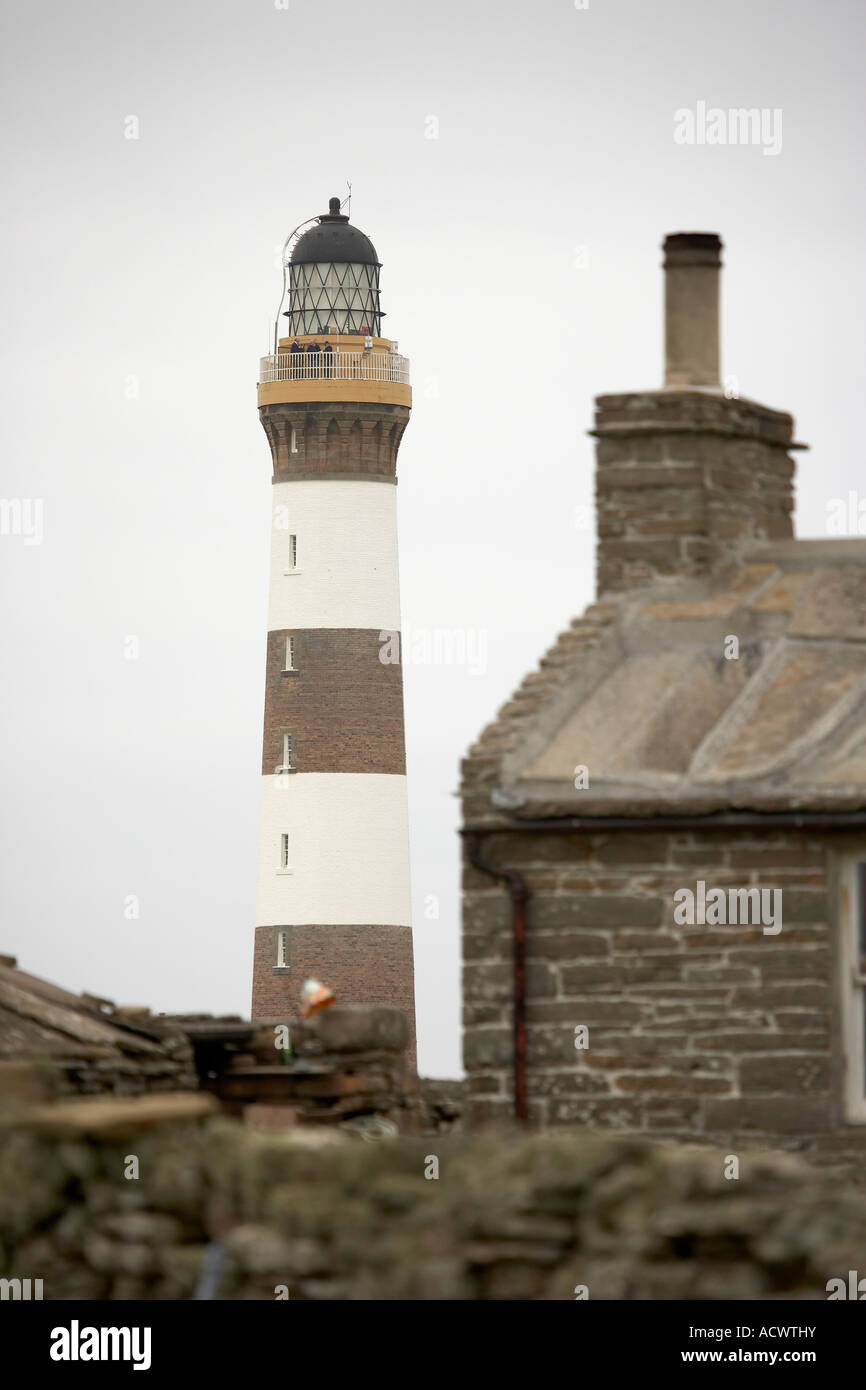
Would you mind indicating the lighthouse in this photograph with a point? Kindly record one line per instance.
(334, 398)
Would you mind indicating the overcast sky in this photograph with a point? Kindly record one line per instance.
(516, 168)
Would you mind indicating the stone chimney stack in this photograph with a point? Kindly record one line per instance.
(689, 476)
(692, 264)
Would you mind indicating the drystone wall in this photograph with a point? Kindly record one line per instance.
(102, 1205)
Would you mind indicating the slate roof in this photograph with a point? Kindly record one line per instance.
(41, 1020)
(639, 691)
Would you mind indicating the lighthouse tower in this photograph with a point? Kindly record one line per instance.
(333, 884)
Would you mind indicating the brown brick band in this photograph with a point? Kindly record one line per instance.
(342, 706)
(361, 964)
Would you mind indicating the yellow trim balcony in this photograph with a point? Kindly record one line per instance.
(340, 375)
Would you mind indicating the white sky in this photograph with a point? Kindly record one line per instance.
(157, 259)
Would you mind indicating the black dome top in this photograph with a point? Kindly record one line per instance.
(334, 239)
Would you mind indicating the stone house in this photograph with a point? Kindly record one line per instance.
(664, 829)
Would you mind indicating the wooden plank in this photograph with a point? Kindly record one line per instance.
(109, 1115)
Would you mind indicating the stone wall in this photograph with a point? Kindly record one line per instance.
(315, 1214)
(722, 1032)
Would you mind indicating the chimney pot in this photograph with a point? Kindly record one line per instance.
(692, 263)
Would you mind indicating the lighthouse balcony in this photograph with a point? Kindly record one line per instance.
(335, 366)
(361, 375)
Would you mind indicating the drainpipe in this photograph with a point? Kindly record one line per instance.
(519, 895)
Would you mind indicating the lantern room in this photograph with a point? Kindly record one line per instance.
(334, 280)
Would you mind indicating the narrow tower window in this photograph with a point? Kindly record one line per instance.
(284, 851)
(290, 654)
(293, 441)
(282, 961)
(287, 751)
(293, 552)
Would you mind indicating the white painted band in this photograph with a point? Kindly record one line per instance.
(346, 573)
(348, 850)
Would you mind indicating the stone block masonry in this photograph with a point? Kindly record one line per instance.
(717, 1032)
(686, 481)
